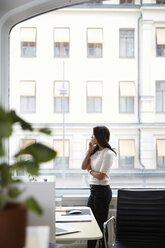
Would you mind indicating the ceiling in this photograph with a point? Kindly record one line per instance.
(7, 5)
(18, 10)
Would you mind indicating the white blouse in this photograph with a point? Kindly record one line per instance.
(101, 161)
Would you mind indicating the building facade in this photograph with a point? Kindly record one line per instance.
(88, 65)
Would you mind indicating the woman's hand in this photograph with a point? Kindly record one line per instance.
(88, 167)
(86, 162)
(91, 147)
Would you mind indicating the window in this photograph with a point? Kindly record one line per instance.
(160, 42)
(94, 42)
(27, 97)
(62, 148)
(61, 42)
(28, 42)
(94, 97)
(127, 153)
(160, 97)
(160, 144)
(90, 91)
(126, 1)
(61, 97)
(127, 94)
(126, 43)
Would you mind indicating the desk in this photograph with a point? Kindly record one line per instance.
(88, 230)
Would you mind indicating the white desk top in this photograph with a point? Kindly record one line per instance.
(89, 230)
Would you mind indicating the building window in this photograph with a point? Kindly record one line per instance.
(127, 153)
(61, 97)
(62, 159)
(160, 97)
(28, 42)
(94, 97)
(127, 94)
(160, 144)
(61, 42)
(27, 97)
(94, 42)
(126, 1)
(126, 43)
(160, 42)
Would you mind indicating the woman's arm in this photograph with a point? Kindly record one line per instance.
(98, 175)
(106, 164)
(86, 162)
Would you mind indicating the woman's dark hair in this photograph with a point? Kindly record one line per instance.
(102, 135)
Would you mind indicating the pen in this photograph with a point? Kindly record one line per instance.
(60, 210)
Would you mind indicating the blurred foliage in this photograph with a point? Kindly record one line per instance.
(37, 153)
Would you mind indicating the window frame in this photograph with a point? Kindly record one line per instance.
(94, 45)
(159, 47)
(66, 158)
(61, 97)
(163, 98)
(27, 97)
(125, 43)
(61, 44)
(31, 46)
(157, 157)
(133, 157)
(94, 98)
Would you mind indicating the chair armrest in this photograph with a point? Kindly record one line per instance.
(112, 218)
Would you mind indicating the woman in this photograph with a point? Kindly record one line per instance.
(98, 160)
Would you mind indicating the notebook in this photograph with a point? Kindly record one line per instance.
(74, 215)
(73, 218)
(65, 229)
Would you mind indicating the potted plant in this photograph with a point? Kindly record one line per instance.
(12, 212)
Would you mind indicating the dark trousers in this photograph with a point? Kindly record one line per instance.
(99, 201)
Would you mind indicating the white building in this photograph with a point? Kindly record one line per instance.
(110, 58)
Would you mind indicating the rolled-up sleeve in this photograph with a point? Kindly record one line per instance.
(108, 160)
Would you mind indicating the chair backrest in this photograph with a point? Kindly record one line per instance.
(141, 216)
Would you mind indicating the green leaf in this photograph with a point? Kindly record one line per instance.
(45, 131)
(30, 166)
(5, 175)
(5, 124)
(16, 180)
(15, 118)
(40, 152)
(2, 152)
(32, 205)
(3, 200)
(14, 192)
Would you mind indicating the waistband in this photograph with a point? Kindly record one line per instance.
(94, 186)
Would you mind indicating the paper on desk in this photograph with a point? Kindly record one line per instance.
(73, 218)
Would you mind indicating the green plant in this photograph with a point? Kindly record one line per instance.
(38, 152)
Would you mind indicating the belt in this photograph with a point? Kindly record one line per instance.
(94, 186)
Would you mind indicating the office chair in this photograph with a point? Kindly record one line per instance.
(140, 219)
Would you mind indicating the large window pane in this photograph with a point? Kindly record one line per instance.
(71, 93)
